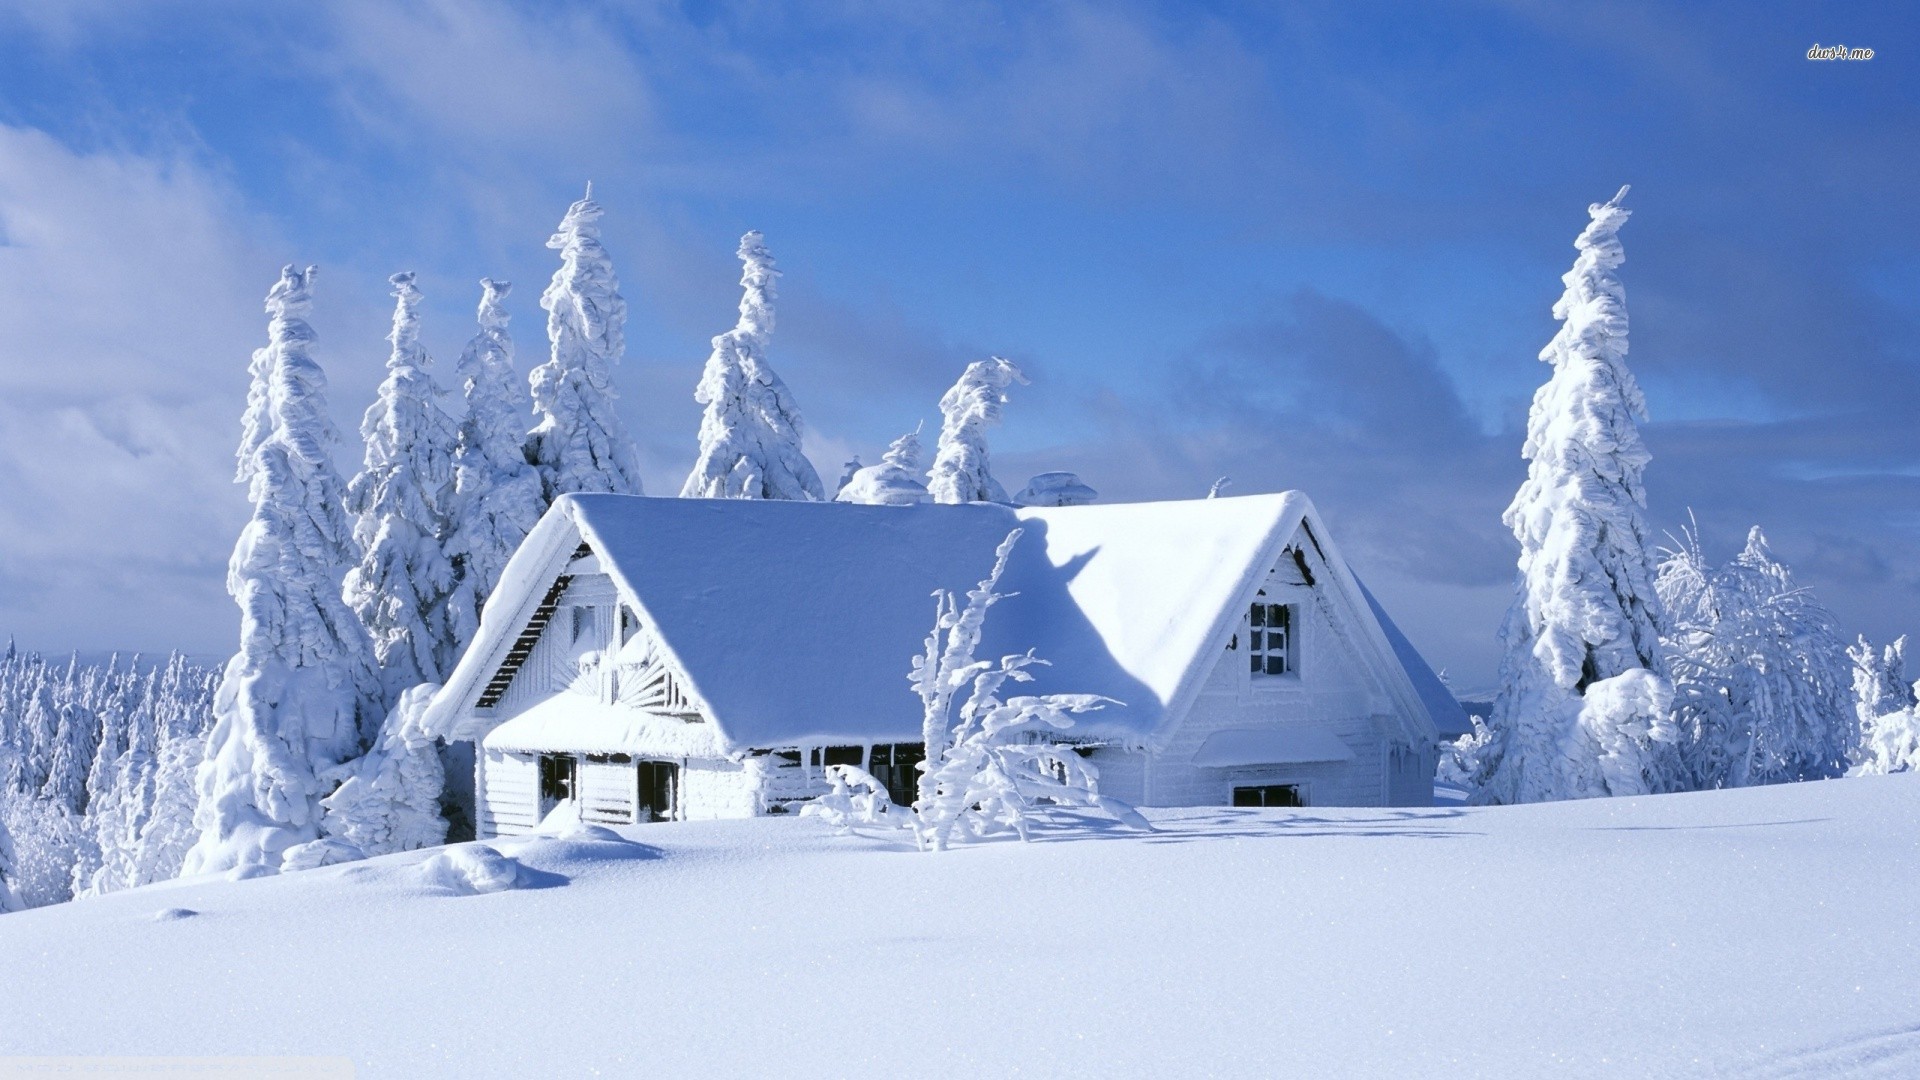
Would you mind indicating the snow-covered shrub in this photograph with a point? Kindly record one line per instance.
(1890, 744)
(893, 482)
(994, 765)
(497, 497)
(46, 841)
(854, 797)
(1762, 682)
(579, 442)
(1055, 489)
(389, 800)
(960, 473)
(401, 500)
(297, 698)
(750, 431)
(1585, 609)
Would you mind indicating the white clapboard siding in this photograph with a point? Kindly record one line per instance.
(510, 795)
(607, 790)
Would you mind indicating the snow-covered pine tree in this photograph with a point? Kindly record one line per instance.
(497, 495)
(390, 801)
(299, 695)
(1585, 612)
(9, 900)
(960, 473)
(578, 442)
(750, 432)
(401, 502)
(1762, 684)
(893, 482)
(1885, 705)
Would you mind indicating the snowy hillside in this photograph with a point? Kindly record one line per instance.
(1766, 932)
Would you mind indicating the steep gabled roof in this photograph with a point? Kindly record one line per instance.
(797, 622)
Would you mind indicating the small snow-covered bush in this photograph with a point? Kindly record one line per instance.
(854, 797)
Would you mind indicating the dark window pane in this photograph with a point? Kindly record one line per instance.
(1246, 796)
(1276, 615)
(1276, 664)
(1259, 615)
(1255, 657)
(1255, 639)
(843, 755)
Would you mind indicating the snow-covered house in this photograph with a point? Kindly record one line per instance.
(695, 658)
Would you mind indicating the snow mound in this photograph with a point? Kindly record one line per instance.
(174, 914)
(467, 869)
(1055, 489)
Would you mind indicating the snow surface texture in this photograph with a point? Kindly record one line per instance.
(893, 482)
(1055, 489)
(1585, 609)
(403, 515)
(297, 699)
(1763, 687)
(1734, 934)
(579, 442)
(750, 432)
(960, 472)
(497, 494)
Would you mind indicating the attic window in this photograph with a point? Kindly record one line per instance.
(1270, 640)
(629, 622)
(582, 623)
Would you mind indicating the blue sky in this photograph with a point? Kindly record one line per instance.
(1304, 245)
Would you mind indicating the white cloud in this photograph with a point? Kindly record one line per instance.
(128, 307)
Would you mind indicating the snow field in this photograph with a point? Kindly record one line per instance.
(1760, 932)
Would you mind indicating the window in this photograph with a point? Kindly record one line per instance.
(556, 779)
(629, 622)
(1270, 639)
(893, 764)
(582, 623)
(658, 781)
(1268, 795)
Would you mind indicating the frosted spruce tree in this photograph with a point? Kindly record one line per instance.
(1885, 706)
(299, 696)
(960, 473)
(750, 432)
(1582, 705)
(497, 496)
(578, 442)
(1762, 683)
(390, 799)
(893, 482)
(9, 899)
(401, 502)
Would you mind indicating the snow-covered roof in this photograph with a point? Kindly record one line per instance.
(796, 622)
(1290, 744)
(1448, 715)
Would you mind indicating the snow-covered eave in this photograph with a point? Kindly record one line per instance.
(1296, 520)
(541, 557)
